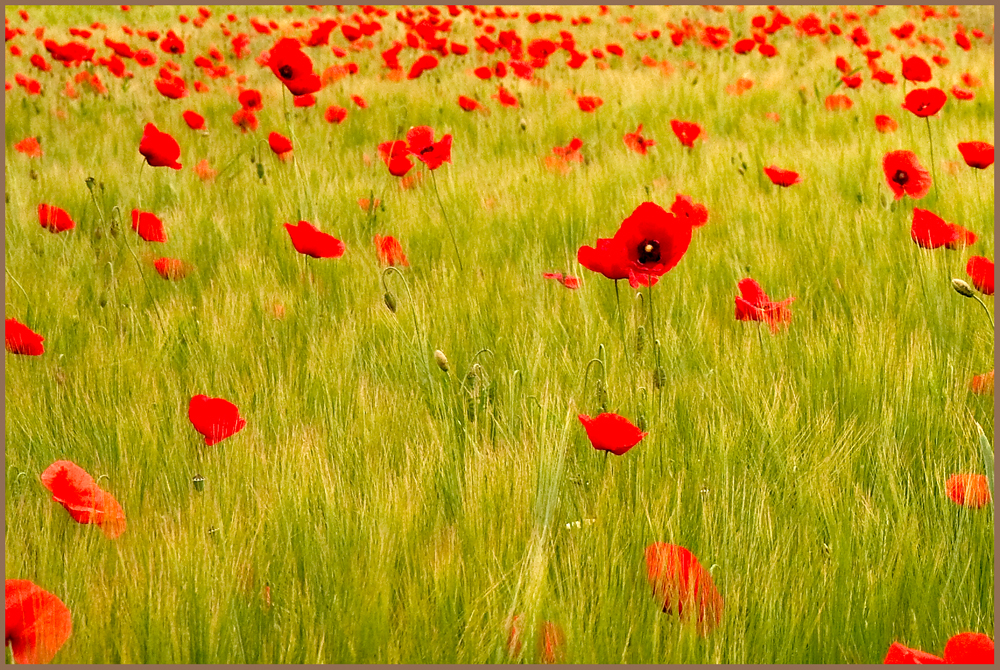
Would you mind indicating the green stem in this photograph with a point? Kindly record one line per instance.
(986, 309)
(447, 222)
(27, 313)
(930, 138)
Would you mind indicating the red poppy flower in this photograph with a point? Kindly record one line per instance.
(885, 124)
(149, 227)
(781, 177)
(837, 102)
(637, 143)
(767, 50)
(980, 270)
(611, 432)
(390, 252)
(483, 73)
(968, 490)
(19, 339)
(744, 46)
(359, 101)
(394, 154)
(753, 305)
(420, 142)
(29, 147)
(159, 149)
(682, 584)
(885, 77)
(468, 104)
(962, 93)
(915, 68)
(215, 418)
(310, 241)
(293, 67)
(172, 44)
(654, 240)
(85, 501)
(687, 132)
(279, 144)
(905, 175)
(977, 154)
(172, 268)
(852, 81)
(900, 655)
(686, 208)
(972, 648)
(251, 99)
(421, 65)
(982, 384)
(194, 120)
(924, 102)
(37, 622)
(931, 231)
(504, 97)
(588, 103)
(607, 258)
(335, 114)
(54, 218)
(245, 119)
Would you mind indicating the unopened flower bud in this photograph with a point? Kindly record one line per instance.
(390, 302)
(524, 124)
(441, 359)
(199, 482)
(962, 287)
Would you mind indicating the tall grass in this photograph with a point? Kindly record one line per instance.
(378, 509)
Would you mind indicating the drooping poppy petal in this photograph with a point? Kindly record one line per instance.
(900, 655)
(977, 154)
(38, 623)
(310, 241)
(390, 252)
(148, 226)
(781, 177)
(172, 268)
(159, 149)
(607, 258)
(55, 219)
(968, 490)
(611, 432)
(19, 339)
(980, 270)
(694, 212)
(654, 239)
(73, 488)
(683, 586)
(972, 648)
(215, 418)
(905, 175)
(753, 305)
(930, 231)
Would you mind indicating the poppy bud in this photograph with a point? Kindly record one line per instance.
(199, 482)
(659, 378)
(260, 170)
(390, 302)
(524, 124)
(962, 288)
(640, 421)
(640, 339)
(441, 359)
(90, 184)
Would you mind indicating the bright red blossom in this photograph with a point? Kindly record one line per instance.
(85, 501)
(310, 241)
(29, 147)
(654, 240)
(19, 339)
(685, 207)
(637, 143)
(420, 143)
(159, 149)
(172, 268)
(395, 156)
(968, 490)
(194, 120)
(148, 226)
(781, 177)
(55, 219)
(980, 270)
(37, 622)
(905, 175)
(611, 432)
(753, 305)
(687, 132)
(215, 418)
(930, 231)
(682, 585)
(924, 102)
(977, 154)
(885, 124)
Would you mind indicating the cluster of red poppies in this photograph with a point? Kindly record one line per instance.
(647, 244)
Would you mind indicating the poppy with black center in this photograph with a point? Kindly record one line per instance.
(654, 240)
(924, 102)
(905, 175)
(978, 155)
(420, 143)
(293, 67)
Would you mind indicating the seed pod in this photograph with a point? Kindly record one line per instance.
(659, 378)
(199, 482)
(390, 302)
(441, 359)
(962, 287)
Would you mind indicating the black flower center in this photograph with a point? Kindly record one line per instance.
(286, 71)
(649, 252)
(901, 177)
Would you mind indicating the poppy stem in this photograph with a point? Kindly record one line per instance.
(27, 315)
(930, 139)
(649, 294)
(447, 221)
(295, 143)
(986, 309)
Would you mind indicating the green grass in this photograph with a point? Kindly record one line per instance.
(399, 515)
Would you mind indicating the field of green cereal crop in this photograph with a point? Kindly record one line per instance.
(397, 470)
